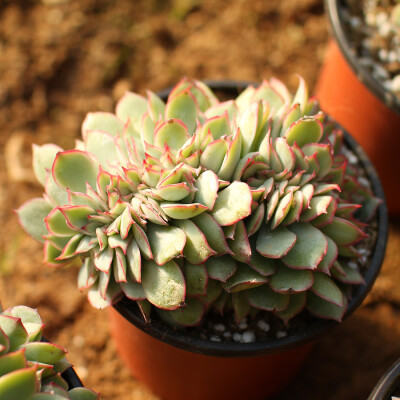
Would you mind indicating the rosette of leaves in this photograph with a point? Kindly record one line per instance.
(246, 204)
(30, 369)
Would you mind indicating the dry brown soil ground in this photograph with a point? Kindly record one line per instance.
(60, 59)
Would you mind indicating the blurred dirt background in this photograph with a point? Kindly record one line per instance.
(60, 59)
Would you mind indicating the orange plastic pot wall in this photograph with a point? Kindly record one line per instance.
(176, 374)
(373, 124)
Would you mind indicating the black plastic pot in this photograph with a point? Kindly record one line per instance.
(388, 385)
(69, 374)
(265, 366)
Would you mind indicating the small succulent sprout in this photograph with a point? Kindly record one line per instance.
(196, 204)
(30, 369)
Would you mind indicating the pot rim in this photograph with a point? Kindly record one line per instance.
(128, 308)
(364, 76)
(389, 381)
(70, 376)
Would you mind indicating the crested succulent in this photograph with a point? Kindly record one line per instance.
(30, 369)
(246, 204)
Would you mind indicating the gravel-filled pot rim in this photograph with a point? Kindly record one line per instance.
(341, 37)
(388, 384)
(128, 308)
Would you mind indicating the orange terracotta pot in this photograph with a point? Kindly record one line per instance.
(178, 366)
(176, 374)
(359, 103)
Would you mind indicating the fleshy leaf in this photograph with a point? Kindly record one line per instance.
(263, 265)
(30, 320)
(164, 285)
(196, 250)
(343, 232)
(241, 305)
(31, 216)
(196, 279)
(190, 314)
(324, 309)
(232, 204)
(275, 243)
(289, 280)
(131, 107)
(173, 192)
(15, 331)
(297, 302)
(207, 187)
(43, 158)
(134, 261)
(133, 290)
(303, 131)
(182, 107)
(46, 353)
(182, 211)
(310, 247)
(171, 133)
(79, 393)
(351, 275)
(12, 361)
(167, 242)
(221, 268)
(243, 279)
(264, 298)
(102, 121)
(325, 288)
(240, 245)
(213, 233)
(103, 146)
(20, 384)
(73, 168)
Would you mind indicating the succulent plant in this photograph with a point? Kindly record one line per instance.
(193, 204)
(30, 369)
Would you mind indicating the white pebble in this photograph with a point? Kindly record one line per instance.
(364, 181)
(381, 18)
(380, 71)
(370, 19)
(383, 54)
(227, 334)
(264, 326)
(248, 337)
(352, 158)
(387, 84)
(392, 56)
(219, 328)
(352, 265)
(237, 337)
(281, 334)
(396, 83)
(364, 251)
(243, 325)
(365, 61)
(355, 22)
(385, 29)
(215, 339)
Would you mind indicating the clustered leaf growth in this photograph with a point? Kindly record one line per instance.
(30, 369)
(193, 204)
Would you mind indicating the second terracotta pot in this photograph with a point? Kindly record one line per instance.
(359, 103)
